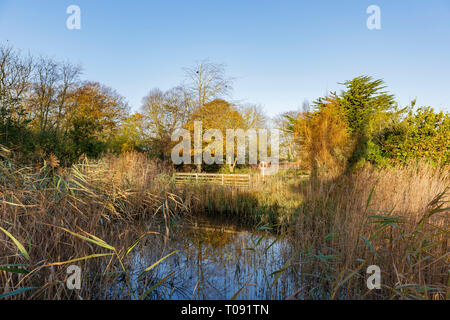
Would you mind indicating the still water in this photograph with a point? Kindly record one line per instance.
(217, 261)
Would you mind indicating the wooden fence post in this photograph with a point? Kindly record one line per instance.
(237, 180)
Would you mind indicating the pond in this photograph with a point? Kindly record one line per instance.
(216, 261)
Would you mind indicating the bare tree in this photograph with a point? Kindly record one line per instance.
(15, 77)
(44, 91)
(165, 112)
(207, 82)
(39, 87)
(306, 106)
(69, 81)
(284, 123)
(53, 82)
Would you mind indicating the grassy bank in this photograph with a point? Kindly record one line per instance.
(100, 211)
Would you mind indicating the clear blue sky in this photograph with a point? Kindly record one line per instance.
(281, 52)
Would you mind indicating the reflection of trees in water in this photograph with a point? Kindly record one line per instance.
(212, 241)
(215, 263)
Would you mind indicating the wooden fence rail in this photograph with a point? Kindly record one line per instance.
(235, 180)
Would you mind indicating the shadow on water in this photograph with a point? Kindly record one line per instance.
(216, 261)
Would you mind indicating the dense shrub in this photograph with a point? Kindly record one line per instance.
(422, 134)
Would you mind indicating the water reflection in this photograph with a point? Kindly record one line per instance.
(217, 262)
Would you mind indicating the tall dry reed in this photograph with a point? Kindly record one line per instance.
(93, 211)
(99, 211)
(396, 218)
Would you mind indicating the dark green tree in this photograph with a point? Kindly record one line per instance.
(368, 109)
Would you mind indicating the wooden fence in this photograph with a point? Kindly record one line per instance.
(232, 180)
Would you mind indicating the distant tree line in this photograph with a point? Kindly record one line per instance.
(46, 110)
(364, 124)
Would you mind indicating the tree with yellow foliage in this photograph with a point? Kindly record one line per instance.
(326, 141)
(219, 115)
